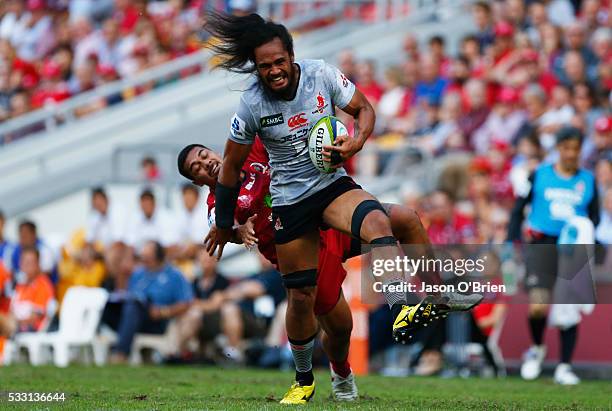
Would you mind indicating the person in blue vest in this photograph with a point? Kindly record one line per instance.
(557, 192)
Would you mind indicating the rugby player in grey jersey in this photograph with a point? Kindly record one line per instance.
(285, 99)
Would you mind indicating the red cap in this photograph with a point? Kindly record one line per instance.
(30, 75)
(36, 5)
(504, 29)
(508, 95)
(481, 165)
(603, 124)
(51, 70)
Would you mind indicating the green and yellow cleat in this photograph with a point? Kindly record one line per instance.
(299, 394)
(412, 317)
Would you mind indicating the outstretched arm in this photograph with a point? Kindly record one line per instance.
(226, 192)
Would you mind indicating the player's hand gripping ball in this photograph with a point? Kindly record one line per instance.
(326, 132)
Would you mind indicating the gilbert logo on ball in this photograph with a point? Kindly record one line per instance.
(324, 133)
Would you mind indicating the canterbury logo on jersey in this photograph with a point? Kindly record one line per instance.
(273, 120)
(297, 121)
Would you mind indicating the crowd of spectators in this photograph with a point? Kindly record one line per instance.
(51, 50)
(155, 270)
(490, 114)
(528, 69)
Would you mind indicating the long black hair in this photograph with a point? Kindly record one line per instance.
(238, 37)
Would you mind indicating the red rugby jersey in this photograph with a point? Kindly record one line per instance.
(254, 198)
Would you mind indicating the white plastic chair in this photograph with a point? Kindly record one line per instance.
(36, 357)
(166, 344)
(79, 318)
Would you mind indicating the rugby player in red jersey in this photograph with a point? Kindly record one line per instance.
(253, 216)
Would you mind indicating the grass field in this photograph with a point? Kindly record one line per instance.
(214, 388)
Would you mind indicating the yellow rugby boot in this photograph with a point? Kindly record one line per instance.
(299, 394)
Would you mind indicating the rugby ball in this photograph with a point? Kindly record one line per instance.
(324, 133)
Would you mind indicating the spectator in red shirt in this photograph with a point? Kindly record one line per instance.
(446, 224)
(127, 13)
(504, 41)
(366, 81)
(499, 157)
(491, 312)
(437, 50)
(150, 169)
(410, 74)
(459, 75)
(522, 67)
(478, 109)
(52, 88)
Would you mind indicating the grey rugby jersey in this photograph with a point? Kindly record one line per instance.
(283, 128)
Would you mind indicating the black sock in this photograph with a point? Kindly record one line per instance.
(304, 378)
(537, 326)
(568, 343)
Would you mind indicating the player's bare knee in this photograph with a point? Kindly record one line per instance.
(370, 221)
(375, 225)
(301, 300)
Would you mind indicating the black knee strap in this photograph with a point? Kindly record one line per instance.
(300, 279)
(361, 211)
(389, 240)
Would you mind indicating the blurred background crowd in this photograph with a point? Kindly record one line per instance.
(527, 69)
(53, 50)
